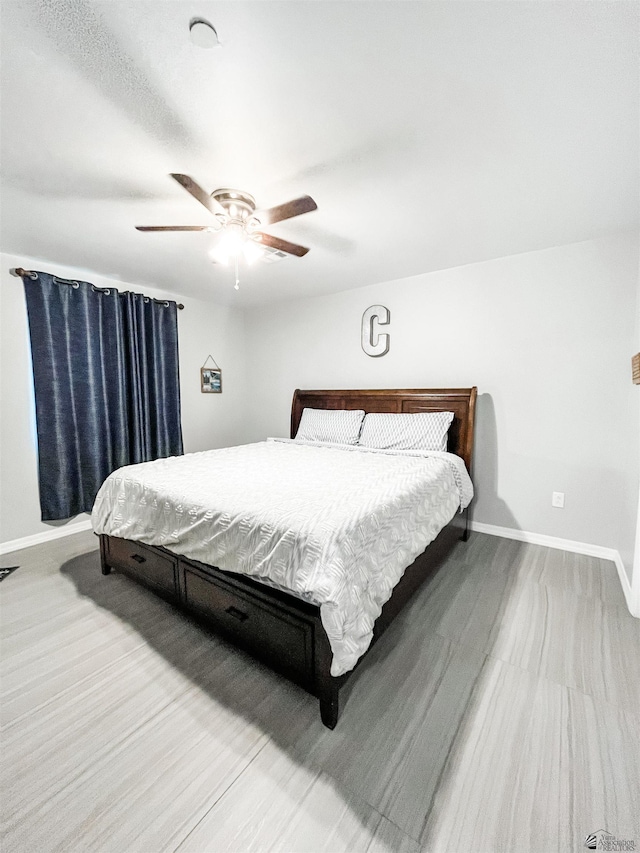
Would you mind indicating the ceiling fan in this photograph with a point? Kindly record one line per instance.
(238, 222)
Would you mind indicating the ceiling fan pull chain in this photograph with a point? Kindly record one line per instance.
(237, 284)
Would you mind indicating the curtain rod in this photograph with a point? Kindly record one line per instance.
(19, 272)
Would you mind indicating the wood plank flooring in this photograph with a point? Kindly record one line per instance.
(126, 728)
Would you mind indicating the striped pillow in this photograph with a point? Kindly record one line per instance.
(341, 426)
(417, 431)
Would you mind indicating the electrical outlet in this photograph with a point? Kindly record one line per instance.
(557, 499)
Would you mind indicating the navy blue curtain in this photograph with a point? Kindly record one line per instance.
(105, 370)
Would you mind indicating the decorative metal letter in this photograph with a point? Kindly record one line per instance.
(373, 343)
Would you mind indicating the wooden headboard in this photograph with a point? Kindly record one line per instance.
(460, 401)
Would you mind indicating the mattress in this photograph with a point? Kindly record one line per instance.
(332, 524)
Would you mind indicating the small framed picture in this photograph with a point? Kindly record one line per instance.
(210, 380)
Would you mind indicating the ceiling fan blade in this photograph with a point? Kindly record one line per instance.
(173, 227)
(279, 243)
(198, 193)
(304, 204)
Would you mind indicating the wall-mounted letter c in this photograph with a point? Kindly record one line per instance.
(373, 343)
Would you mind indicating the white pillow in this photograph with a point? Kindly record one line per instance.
(341, 426)
(415, 431)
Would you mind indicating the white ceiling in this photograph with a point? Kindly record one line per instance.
(431, 134)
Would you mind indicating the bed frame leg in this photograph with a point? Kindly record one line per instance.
(466, 533)
(106, 570)
(329, 707)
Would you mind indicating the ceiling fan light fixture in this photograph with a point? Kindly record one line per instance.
(230, 245)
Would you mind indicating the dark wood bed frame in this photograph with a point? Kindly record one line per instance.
(280, 629)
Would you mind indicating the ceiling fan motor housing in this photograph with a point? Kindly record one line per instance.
(238, 205)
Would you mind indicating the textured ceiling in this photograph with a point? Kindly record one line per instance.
(430, 134)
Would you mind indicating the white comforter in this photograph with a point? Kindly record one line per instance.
(335, 525)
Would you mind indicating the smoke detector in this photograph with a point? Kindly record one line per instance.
(203, 34)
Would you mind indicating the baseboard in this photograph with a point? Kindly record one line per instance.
(45, 536)
(478, 526)
(564, 545)
(626, 586)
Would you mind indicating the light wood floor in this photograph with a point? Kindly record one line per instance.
(129, 729)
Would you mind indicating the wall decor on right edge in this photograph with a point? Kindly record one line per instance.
(375, 344)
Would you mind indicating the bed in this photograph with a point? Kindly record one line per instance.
(287, 627)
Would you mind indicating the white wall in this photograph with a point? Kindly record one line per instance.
(635, 581)
(547, 338)
(208, 420)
